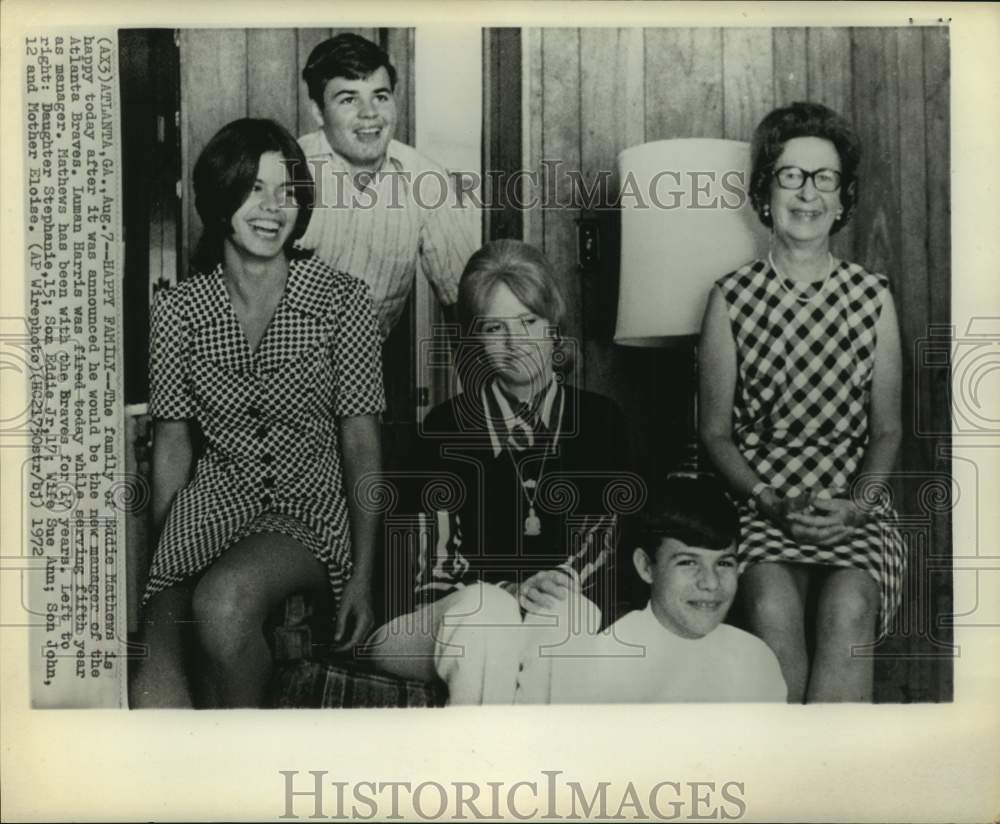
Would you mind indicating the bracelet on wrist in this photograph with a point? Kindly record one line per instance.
(758, 496)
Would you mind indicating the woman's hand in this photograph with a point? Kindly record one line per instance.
(354, 614)
(826, 522)
(811, 518)
(542, 592)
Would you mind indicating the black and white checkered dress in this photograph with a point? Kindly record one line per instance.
(805, 357)
(272, 457)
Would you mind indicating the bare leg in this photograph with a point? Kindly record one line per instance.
(232, 601)
(772, 596)
(160, 679)
(846, 613)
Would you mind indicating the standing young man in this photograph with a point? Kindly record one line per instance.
(381, 207)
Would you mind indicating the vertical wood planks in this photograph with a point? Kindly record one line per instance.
(561, 153)
(828, 71)
(748, 88)
(613, 118)
(399, 46)
(790, 68)
(828, 68)
(502, 132)
(612, 95)
(876, 118)
(214, 92)
(911, 296)
(938, 153)
(306, 40)
(912, 293)
(533, 110)
(936, 128)
(683, 83)
(272, 76)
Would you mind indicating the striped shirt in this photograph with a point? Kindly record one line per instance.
(408, 212)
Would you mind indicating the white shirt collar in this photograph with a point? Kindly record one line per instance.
(509, 416)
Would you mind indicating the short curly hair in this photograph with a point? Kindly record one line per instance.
(346, 55)
(803, 120)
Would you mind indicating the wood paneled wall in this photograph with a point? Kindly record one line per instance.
(593, 92)
(231, 73)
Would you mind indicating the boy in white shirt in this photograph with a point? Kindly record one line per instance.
(677, 648)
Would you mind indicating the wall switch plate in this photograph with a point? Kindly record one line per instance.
(588, 242)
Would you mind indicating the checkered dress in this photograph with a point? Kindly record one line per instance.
(805, 359)
(269, 418)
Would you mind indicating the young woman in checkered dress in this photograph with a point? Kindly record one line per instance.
(800, 399)
(273, 361)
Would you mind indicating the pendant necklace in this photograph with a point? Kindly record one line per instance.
(784, 280)
(529, 486)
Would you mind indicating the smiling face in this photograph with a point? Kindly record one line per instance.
(517, 343)
(359, 118)
(806, 215)
(692, 587)
(261, 226)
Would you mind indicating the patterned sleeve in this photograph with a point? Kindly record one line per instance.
(441, 566)
(592, 549)
(447, 241)
(170, 394)
(357, 354)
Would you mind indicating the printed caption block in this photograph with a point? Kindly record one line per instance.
(75, 489)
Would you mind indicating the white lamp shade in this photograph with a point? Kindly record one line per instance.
(686, 221)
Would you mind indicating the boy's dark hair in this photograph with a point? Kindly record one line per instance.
(691, 509)
(346, 55)
(224, 176)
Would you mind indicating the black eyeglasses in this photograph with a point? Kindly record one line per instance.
(792, 177)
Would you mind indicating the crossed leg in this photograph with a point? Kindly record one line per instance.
(212, 628)
(160, 678)
(230, 604)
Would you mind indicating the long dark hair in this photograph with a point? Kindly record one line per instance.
(225, 175)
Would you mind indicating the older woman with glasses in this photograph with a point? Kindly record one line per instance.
(800, 402)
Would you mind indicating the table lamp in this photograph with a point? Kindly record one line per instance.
(685, 222)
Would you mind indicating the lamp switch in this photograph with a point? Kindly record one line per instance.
(588, 242)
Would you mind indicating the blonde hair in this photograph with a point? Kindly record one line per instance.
(519, 266)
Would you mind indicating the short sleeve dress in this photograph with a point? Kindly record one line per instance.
(805, 355)
(272, 456)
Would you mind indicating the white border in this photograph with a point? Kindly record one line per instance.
(915, 763)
